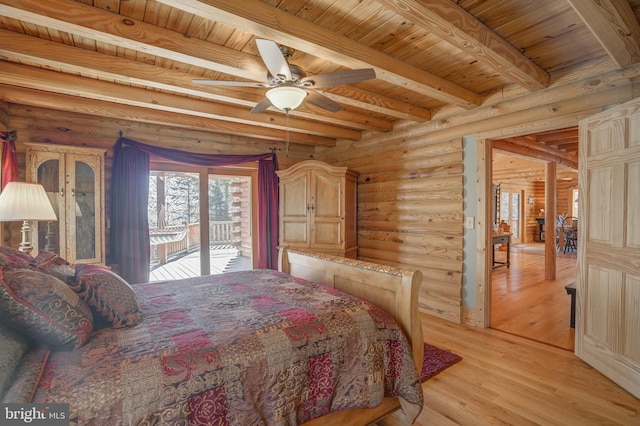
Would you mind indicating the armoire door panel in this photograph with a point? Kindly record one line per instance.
(327, 233)
(295, 198)
(83, 200)
(328, 205)
(295, 233)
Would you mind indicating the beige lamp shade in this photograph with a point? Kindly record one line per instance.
(25, 201)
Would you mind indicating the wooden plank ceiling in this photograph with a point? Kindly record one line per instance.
(136, 59)
(523, 157)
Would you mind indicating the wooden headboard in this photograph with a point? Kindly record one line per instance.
(391, 289)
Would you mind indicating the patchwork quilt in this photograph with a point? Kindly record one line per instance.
(245, 348)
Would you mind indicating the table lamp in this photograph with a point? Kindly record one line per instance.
(25, 201)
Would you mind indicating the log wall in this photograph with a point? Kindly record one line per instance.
(410, 211)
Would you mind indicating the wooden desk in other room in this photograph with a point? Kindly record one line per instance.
(500, 238)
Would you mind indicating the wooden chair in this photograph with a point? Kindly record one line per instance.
(570, 231)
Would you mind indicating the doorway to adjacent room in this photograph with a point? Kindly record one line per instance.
(523, 302)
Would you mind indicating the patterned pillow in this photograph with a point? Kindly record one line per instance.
(109, 296)
(13, 346)
(13, 257)
(43, 308)
(52, 264)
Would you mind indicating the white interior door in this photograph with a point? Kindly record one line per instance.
(608, 286)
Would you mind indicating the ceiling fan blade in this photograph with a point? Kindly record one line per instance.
(261, 106)
(273, 59)
(339, 77)
(322, 102)
(229, 83)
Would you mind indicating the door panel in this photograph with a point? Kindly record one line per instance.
(633, 203)
(326, 210)
(608, 285)
(83, 204)
(50, 174)
(295, 209)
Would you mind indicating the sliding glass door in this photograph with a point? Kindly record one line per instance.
(200, 221)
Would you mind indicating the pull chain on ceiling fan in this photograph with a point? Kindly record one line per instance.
(288, 84)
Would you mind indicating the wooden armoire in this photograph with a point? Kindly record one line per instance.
(318, 208)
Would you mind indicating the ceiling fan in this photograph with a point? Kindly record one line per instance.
(289, 85)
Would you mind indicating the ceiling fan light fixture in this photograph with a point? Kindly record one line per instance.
(286, 98)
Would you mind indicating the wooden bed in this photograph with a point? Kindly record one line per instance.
(249, 347)
(392, 289)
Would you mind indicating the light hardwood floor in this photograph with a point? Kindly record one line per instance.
(508, 380)
(524, 303)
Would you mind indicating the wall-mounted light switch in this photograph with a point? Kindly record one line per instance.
(470, 222)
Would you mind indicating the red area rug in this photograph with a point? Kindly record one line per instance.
(436, 360)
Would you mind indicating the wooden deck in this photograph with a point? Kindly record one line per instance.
(223, 259)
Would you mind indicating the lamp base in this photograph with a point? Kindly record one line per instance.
(25, 245)
(49, 237)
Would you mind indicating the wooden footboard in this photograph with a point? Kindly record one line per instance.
(392, 289)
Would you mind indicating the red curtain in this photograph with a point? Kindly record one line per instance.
(129, 233)
(9, 157)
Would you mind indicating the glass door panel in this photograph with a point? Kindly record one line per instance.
(230, 226)
(82, 205)
(515, 215)
(49, 178)
(511, 213)
(174, 224)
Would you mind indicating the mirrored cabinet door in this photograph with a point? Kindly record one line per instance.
(73, 179)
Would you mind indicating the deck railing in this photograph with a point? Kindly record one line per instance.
(175, 240)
